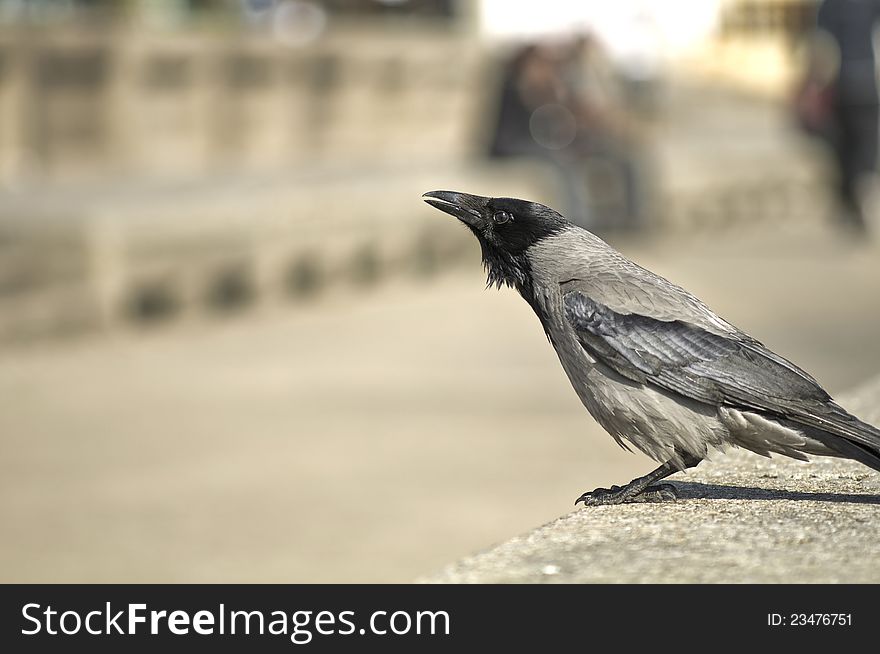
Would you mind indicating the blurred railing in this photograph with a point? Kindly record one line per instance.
(87, 104)
(788, 18)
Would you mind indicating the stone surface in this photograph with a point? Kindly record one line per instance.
(740, 518)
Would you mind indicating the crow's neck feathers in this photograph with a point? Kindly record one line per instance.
(510, 268)
(505, 268)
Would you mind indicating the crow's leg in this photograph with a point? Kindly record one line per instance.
(641, 489)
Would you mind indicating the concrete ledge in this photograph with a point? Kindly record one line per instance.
(741, 518)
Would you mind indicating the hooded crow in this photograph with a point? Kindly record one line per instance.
(654, 366)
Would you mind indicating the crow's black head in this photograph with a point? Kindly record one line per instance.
(505, 228)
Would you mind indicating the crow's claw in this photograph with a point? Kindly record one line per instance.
(628, 494)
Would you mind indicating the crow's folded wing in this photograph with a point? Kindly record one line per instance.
(626, 288)
(678, 345)
(683, 358)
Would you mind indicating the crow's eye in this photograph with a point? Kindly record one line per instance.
(502, 217)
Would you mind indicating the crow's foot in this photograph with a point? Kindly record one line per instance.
(628, 494)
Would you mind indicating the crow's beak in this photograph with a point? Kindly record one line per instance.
(467, 208)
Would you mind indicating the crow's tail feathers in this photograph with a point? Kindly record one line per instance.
(845, 434)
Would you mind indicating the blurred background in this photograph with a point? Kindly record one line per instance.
(236, 346)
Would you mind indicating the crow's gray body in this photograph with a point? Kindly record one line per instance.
(662, 424)
(654, 365)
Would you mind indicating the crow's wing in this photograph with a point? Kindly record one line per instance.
(732, 370)
(626, 288)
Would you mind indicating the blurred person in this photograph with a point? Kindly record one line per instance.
(533, 121)
(839, 100)
(607, 130)
(562, 105)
